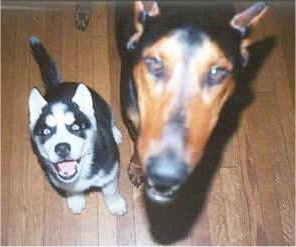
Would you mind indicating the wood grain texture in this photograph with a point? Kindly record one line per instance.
(18, 166)
(236, 206)
(272, 169)
(35, 212)
(283, 14)
(217, 213)
(243, 192)
(7, 65)
(254, 211)
(282, 91)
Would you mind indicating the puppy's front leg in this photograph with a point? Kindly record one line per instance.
(114, 201)
(76, 202)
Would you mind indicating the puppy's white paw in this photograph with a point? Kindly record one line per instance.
(117, 135)
(116, 204)
(76, 203)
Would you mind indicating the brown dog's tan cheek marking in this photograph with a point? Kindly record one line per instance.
(202, 118)
(152, 115)
(198, 129)
(154, 98)
(204, 105)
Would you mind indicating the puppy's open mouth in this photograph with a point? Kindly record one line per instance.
(67, 169)
(161, 194)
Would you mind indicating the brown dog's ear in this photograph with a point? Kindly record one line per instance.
(142, 10)
(243, 21)
(151, 8)
(248, 17)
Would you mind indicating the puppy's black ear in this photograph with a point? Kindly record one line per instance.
(243, 21)
(142, 11)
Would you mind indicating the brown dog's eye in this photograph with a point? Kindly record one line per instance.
(216, 75)
(154, 67)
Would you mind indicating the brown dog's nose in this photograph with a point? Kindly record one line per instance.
(166, 171)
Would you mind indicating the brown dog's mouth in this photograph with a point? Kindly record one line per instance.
(161, 194)
(67, 169)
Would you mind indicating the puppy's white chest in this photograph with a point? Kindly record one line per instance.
(98, 180)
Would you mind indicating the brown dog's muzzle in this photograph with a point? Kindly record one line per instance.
(164, 160)
(165, 174)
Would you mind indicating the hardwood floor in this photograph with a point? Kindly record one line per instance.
(244, 190)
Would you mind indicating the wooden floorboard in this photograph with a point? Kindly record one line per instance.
(217, 213)
(18, 166)
(35, 212)
(244, 193)
(282, 90)
(284, 15)
(7, 65)
(235, 206)
(263, 158)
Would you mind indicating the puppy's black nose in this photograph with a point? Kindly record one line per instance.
(165, 172)
(62, 149)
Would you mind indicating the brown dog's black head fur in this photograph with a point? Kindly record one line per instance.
(185, 59)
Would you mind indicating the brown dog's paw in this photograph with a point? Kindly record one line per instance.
(135, 173)
(82, 16)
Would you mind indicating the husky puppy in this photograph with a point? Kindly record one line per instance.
(74, 136)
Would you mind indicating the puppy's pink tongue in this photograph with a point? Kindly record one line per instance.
(67, 168)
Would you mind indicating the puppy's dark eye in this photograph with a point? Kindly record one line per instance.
(154, 66)
(45, 132)
(216, 75)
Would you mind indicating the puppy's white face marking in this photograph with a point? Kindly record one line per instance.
(59, 116)
(63, 127)
(51, 121)
(69, 118)
(70, 124)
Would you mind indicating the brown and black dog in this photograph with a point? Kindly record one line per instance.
(179, 63)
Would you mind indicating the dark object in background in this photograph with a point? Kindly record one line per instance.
(82, 16)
